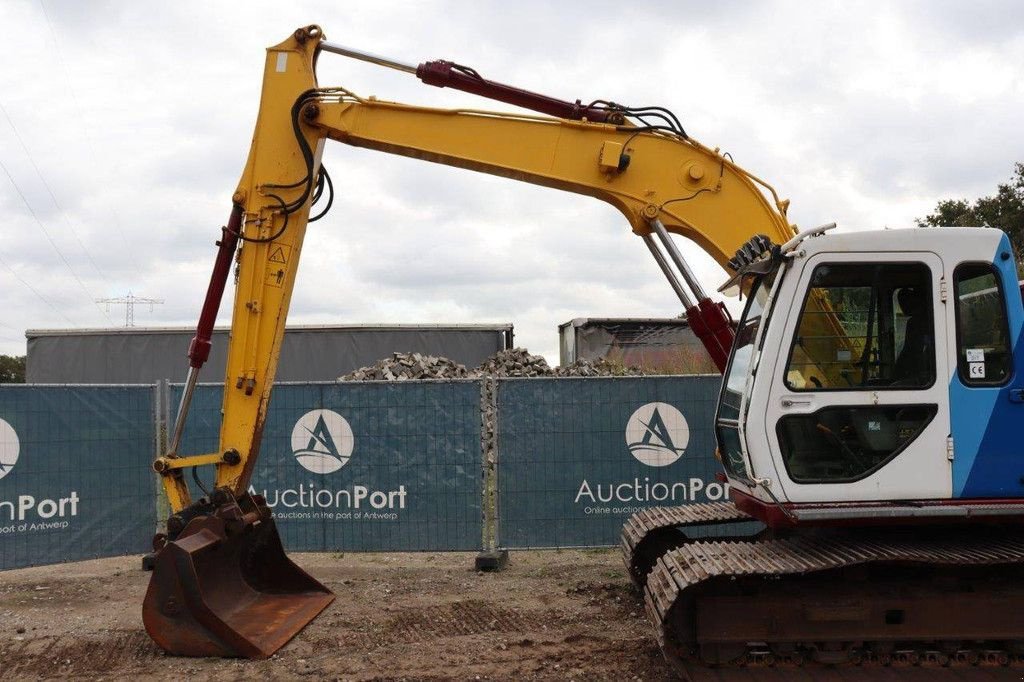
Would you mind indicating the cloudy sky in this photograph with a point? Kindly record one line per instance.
(124, 127)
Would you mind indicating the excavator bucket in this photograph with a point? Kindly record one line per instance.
(224, 587)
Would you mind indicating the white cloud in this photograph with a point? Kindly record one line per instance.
(139, 115)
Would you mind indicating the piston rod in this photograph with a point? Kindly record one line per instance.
(709, 320)
(367, 57)
(186, 401)
(677, 258)
(673, 281)
(199, 348)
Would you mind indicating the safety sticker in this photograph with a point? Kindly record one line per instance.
(975, 355)
(976, 370)
(277, 265)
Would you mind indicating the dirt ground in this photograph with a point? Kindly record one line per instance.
(554, 615)
(566, 615)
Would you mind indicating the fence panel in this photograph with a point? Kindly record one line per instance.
(372, 466)
(75, 476)
(576, 457)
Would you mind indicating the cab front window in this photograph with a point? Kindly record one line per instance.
(735, 380)
(865, 326)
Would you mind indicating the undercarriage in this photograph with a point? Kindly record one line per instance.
(945, 596)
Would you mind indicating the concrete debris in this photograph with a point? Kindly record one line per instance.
(597, 368)
(408, 366)
(515, 362)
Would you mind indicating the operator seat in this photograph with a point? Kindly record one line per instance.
(913, 366)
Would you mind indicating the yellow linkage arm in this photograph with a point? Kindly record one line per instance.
(695, 192)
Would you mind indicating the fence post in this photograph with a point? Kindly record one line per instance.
(161, 507)
(491, 558)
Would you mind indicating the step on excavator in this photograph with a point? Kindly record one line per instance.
(865, 420)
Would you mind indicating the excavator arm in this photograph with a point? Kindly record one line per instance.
(662, 181)
(654, 178)
(695, 191)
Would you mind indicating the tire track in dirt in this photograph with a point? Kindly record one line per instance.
(574, 657)
(416, 625)
(47, 656)
(549, 616)
(462, 618)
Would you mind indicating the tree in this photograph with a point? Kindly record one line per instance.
(1003, 210)
(12, 369)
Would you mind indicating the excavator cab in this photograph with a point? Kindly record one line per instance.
(225, 587)
(857, 360)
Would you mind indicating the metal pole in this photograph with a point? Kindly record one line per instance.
(677, 258)
(186, 401)
(676, 285)
(367, 57)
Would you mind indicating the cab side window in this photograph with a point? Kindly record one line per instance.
(865, 326)
(982, 329)
(842, 444)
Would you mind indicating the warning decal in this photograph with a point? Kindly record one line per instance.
(277, 264)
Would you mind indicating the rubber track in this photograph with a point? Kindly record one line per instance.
(696, 562)
(640, 525)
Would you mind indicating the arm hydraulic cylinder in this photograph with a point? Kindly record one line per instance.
(446, 74)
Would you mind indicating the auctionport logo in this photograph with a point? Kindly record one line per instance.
(9, 448)
(657, 434)
(322, 441)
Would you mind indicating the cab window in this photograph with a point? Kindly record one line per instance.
(982, 330)
(864, 326)
(842, 444)
(727, 421)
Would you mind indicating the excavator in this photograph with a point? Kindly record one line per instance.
(865, 418)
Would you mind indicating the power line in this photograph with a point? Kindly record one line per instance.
(34, 291)
(8, 337)
(49, 191)
(129, 255)
(50, 239)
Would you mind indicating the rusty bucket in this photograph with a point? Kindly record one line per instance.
(225, 587)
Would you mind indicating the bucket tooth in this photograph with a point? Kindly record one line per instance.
(225, 587)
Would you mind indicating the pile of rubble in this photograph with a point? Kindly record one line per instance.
(408, 366)
(515, 362)
(597, 368)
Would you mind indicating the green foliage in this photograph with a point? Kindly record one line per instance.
(1003, 210)
(683, 360)
(12, 369)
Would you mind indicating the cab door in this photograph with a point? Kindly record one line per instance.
(859, 407)
(985, 391)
